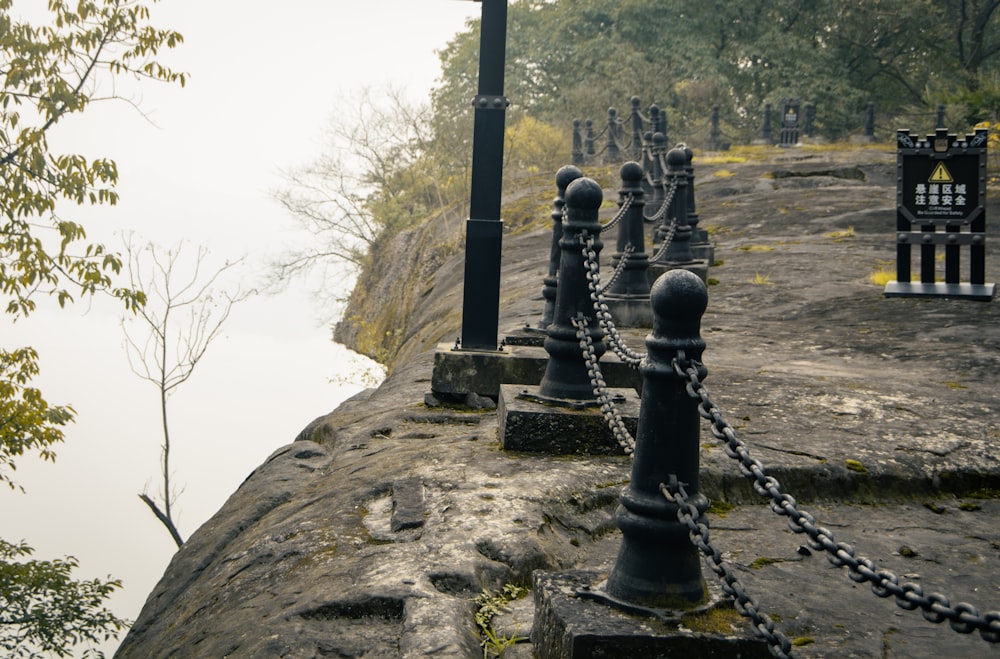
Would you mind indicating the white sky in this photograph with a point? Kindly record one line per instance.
(264, 77)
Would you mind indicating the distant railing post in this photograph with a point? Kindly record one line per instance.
(765, 130)
(577, 143)
(588, 141)
(637, 131)
(611, 152)
(870, 122)
(564, 177)
(714, 134)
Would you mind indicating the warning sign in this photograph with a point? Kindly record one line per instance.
(942, 181)
(941, 174)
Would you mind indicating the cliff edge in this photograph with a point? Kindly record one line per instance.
(374, 533)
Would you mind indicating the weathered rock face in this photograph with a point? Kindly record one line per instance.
(372, 534)
(376, 542)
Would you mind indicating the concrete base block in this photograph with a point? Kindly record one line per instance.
(630, 310)
(699, 268)
(567, 626)
(704, 252)
(529, 425)
(460, 372)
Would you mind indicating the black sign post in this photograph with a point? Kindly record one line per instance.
(484, 228)
(941, 200)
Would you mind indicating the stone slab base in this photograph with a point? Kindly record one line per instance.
(630, 311)
(526, 335)
(699, 268)
(567, 626)
(460, 372)
(978, 292)
(528, 425)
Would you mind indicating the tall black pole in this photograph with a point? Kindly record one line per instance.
(484, 228)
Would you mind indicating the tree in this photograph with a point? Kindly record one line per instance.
(182, 315)
(51, 71)
(379, 172)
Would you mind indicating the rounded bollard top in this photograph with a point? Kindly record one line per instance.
(584, 193)
(631, 173)
(566, 175)
(676, 157)
(679, 298)
(659, 139)
(688, 152)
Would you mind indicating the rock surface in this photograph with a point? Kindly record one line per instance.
(373, 533)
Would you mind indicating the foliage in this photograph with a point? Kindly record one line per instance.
(27, 422)
(488, 606)
(180, 319)
(50, 71)
(42, 607)
(902, 55)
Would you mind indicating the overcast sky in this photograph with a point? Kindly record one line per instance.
(264, 78)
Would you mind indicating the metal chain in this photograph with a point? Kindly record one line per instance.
(619, 269)
(667, 200)
(626, 203)
(601, 311)
(963, 618)
(608, 409)
(671, 230)
(689, 515)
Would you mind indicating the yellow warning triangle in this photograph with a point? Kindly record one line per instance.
(940, 174)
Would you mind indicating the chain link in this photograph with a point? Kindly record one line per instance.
(608, 409)
(601, 311)
(667, 200)
(619, 269)
(666, 241)
(689, 515)
(963, 617)
(626, 204)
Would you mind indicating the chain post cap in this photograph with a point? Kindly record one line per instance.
(688, 152)
(676, 158)
(566, 175)
(679, 298)
(631, 173)
(659, 139)
(584, 194)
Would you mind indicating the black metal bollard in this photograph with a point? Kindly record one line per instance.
(577, 143)
(564, 177)
(637, 131)
(715, 134)
(940, 117)
(655, 119)
(657, 566)
(700, 247)
(566, 375)
(652, 166)
(633, 280)
(765, 130)
(611, 151)
(678, 250)
(870, 122)
(588, 140)
(810, 119)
